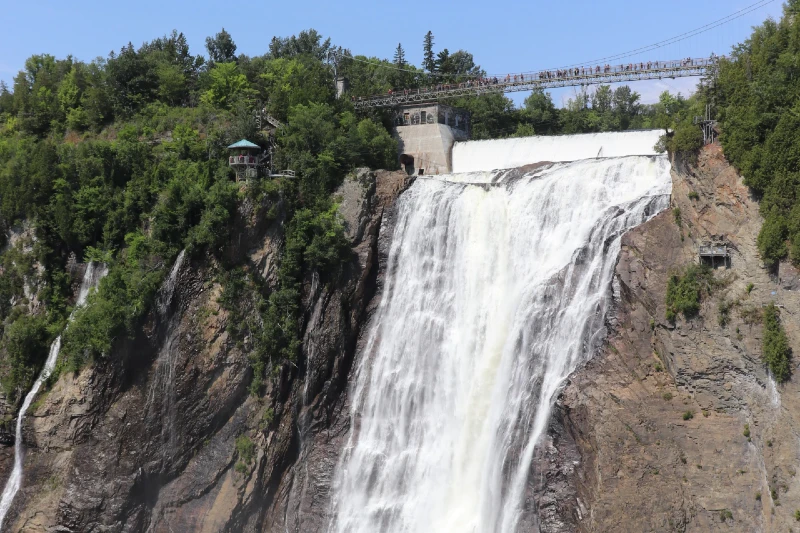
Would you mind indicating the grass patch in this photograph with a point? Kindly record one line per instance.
(245, 448)
(724, 312)
(776, 353)
(688, 415)
(685, 289)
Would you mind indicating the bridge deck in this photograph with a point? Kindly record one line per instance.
(542, 80)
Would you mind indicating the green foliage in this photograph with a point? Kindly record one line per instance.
(226, 85)
(749, 288)
(115, 310)
(688, 415)
(245, 449)
(676, 215)
(724, 312)
(399, 56)
(287, 83)
(746, 431)
(687, 139)
(684, 291)
(758, 100)
(725, 514)
(123, 161)
(221, 48)
(776, 353)
(667, 396)
(693, 195)
(26, 343)
(428, 61)
(94, 255)
(771, 240)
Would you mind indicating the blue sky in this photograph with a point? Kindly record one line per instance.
(511, 36)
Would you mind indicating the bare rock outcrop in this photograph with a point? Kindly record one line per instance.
(678, 427)
(145, 440)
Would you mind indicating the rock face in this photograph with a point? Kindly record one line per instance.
(652, 434)
(146, 440)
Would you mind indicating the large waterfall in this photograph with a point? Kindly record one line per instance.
(497, 287)
(94, 273)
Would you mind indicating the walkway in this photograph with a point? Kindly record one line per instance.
(529, 81)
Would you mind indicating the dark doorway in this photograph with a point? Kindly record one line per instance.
(407, 162)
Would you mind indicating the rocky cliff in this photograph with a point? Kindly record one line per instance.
(672, 427)
(678, 427)
(146, 440)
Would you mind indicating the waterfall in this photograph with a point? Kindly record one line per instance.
(91, 278)
(161, 394)
(497, 287)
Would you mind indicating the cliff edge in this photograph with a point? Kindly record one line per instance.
(678, 426)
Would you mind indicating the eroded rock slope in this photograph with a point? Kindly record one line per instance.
(146, 440)
(652, 434)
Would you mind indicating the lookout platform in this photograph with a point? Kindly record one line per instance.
(710, 253)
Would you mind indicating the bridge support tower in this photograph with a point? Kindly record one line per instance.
(426, 134)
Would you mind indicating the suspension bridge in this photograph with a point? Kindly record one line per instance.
(546, 79)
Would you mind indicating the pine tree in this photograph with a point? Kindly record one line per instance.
(443, 62)
(428, 61)
(221, 47)
(400, 56)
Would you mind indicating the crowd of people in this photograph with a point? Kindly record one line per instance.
(550, 75)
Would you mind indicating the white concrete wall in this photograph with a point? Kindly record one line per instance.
(474, 156)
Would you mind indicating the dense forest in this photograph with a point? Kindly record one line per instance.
(757, 98)
(122, 160)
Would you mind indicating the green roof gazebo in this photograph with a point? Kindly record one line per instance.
(244, 158)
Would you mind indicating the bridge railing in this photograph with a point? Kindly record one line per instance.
(543, 79)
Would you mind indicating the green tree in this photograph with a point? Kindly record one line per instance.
(221, 48)
(539, 110)
(226, 86)
(400, 56)
(286, 83)
(602, 99)
(776, 353)
(428, 59)
(308, 43)
(492, 115)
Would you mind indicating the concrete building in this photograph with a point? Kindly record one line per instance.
(426, 134)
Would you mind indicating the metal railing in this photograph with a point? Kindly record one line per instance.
(718, 250)
(528, 81)
(242, 160)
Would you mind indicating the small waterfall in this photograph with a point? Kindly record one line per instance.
(91, 278)
(496, 289)
(772, 391)
(162, 386)
(168, 288)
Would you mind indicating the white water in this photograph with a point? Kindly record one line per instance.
(161, 395)
(494, 294)
(475, 156)
(91, 278)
